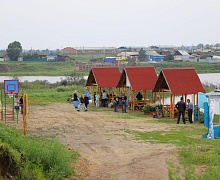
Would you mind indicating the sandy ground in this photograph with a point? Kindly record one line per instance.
(107, 151)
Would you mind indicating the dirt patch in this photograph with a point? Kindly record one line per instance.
(107, 151)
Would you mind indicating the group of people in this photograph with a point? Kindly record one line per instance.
(182, 107)
(116, 100)
(103, 97)
(81, 101)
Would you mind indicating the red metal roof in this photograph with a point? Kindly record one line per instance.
(179, 81)
(140, 77)
(103, 76)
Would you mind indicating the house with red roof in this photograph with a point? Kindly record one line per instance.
(136, 79)
(103, 78)
(178, 82)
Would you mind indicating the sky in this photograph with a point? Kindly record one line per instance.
(55, 24)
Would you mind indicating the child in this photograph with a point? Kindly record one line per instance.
(82, 103)
(16, 103)
(97, 97)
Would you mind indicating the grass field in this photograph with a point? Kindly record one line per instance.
(67, 67)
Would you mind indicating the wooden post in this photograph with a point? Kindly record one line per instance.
(133, 99)
(173, 106)
(145, 96)
(25, 112)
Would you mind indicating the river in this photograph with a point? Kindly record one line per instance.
(210, 78)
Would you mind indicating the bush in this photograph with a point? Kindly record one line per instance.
(146, 108)
(150, 107)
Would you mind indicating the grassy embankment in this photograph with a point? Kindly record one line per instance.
(29, 157)
(66, 68)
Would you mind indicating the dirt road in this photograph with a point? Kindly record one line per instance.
(107, 151)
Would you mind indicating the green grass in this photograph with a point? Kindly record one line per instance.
(37, 157)
(194, 151)
(37, 68)
(25, 68)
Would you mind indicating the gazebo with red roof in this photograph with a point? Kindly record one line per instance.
(137, 78)
(103, 77)
(178, 81)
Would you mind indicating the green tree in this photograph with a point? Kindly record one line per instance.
(217, 46)
(14, 50)
(142, 54)
(207, 46)
(200, 46)
(169, 57)
(129, 49)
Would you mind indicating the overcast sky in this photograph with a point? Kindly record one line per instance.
(55, 24)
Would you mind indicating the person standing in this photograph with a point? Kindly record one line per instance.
(123, 101)
(75, 99)
(104, 97)
(21, 104)
(181, 106)
(82, 103)
(97, 98)
(189, 108)
(116, 103)
(86, 99)
(86, 91)
(94, 98)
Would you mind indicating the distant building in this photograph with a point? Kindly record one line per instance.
(68, 50)
(153, 56)
(163, 48)
(51, 57)
(168, 48)
(1, 58)
(20, 58)
(87, 66)
(109, 59)
(122, 49)
(97, 49)
(63, 58)
(127, 55)
(181, 55)
(6, 58)
(154, 48)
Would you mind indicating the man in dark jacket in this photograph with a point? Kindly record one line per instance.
(181, 106)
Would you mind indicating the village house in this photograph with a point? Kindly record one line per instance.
(87, 66)
(6, 58)
(127, 55)
(51, 57)
(181, 55)
(153, 56)
(69, 50)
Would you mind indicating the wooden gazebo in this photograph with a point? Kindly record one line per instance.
(178, 82)
(103, 78)
(137, 78)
